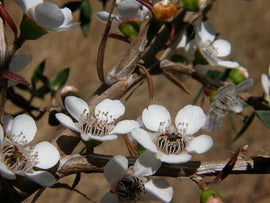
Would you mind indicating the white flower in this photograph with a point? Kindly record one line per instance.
(212, 49)
(266, 86)
(47, 15)
(18, 62)
(126, 10)
(97, 125)
(130, 185)
(172, 145)
(18, 158)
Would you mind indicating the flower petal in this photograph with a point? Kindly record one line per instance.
(48, 15)
(144, 139)
(124, 127)
(128, 9)
(18, 62)
(27, 4)
(205, 33)
(228, 64)
(223, 47)
(190, 119)
(175, 159)
(158, 189)
(48, 155)
(24, 127)
(8, 120)
(76, 107)
(5, 172)
(154, 115)
(265, 83)
(147, 164)
(114, 108)
(103, 16)
(1, 134)
(66, 121)
(42, 178)
(109, 198)
(102, 138)
(200, 144)
(116, 168)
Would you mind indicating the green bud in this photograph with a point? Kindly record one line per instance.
(211, 96)
(69, 91)
(191, 5)
(238, 75)
(29, 30)
(130, 28)
(210, 194)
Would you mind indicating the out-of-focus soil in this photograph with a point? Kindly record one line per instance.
(246, 24)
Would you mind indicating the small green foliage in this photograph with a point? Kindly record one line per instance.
(191, 5)
(130, 28)
(29, 30)
(265, 117)
(199, 59)
(140, 149)
(214, 74)
(38, 72)
(91, 144)
(209, 194)
(179, 59)
(236, 76)
(60, 80)
(85, 16)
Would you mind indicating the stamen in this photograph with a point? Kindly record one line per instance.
(170, 143)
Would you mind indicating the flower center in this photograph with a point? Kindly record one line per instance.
(170, 143)
(130, 188)
(97, 125)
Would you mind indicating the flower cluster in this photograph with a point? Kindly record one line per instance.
(18, 158)
(131, 184)
(172, 144)
(99, 124)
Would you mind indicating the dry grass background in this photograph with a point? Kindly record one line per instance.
(245, 24)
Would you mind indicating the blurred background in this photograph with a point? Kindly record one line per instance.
(244, 23)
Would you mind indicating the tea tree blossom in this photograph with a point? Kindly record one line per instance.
(172, 144)
(47, 15)
(211, 48)
(131, 185)
(266, 86)
(98, 124)
(18, 158)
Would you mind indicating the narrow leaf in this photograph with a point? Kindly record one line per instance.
(15, 77)
(265, 117)
(194, 101)
(85, 16)
(52, 119)
(232, 122)
(37, 72)
(60, 80)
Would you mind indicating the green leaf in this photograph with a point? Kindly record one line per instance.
(91, 144)
(52, 119)
(23, 87)
(140, 149)
(38, 72)
(42, 91)
(85, 16)
(73, 5)
(214, 74)
(245, 127)
(194, 101)
(232, 122)
(60, 80)
(265, 117)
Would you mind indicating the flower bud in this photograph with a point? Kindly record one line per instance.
(30, 30)
(210, 196)
(164, 11)
(238, 74)
(194, 5)
(69, 91)
(130, 28)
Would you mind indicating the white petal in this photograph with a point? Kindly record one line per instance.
(200, 144)
(103, 16)
(102, 138)
(114, 108)
(236, 108)
(109, 198)
(190, 118)
(144, 139)
(223, 47)
(48, 155)
(25, 125)
(124, 127)
(1, 135)
(48, 15)
(158, 189)
(154, 115)
(206, 33)
(18, 62)
(228, 64)
(147, 164)
(128, 9)
(66, 121)
(42, 178)
(5, 172)
(67, 15)
(67, 27)
(76, 107)
(27, 4)
(265, 84)
(115, 168)
(182, 43)
(175, 159)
